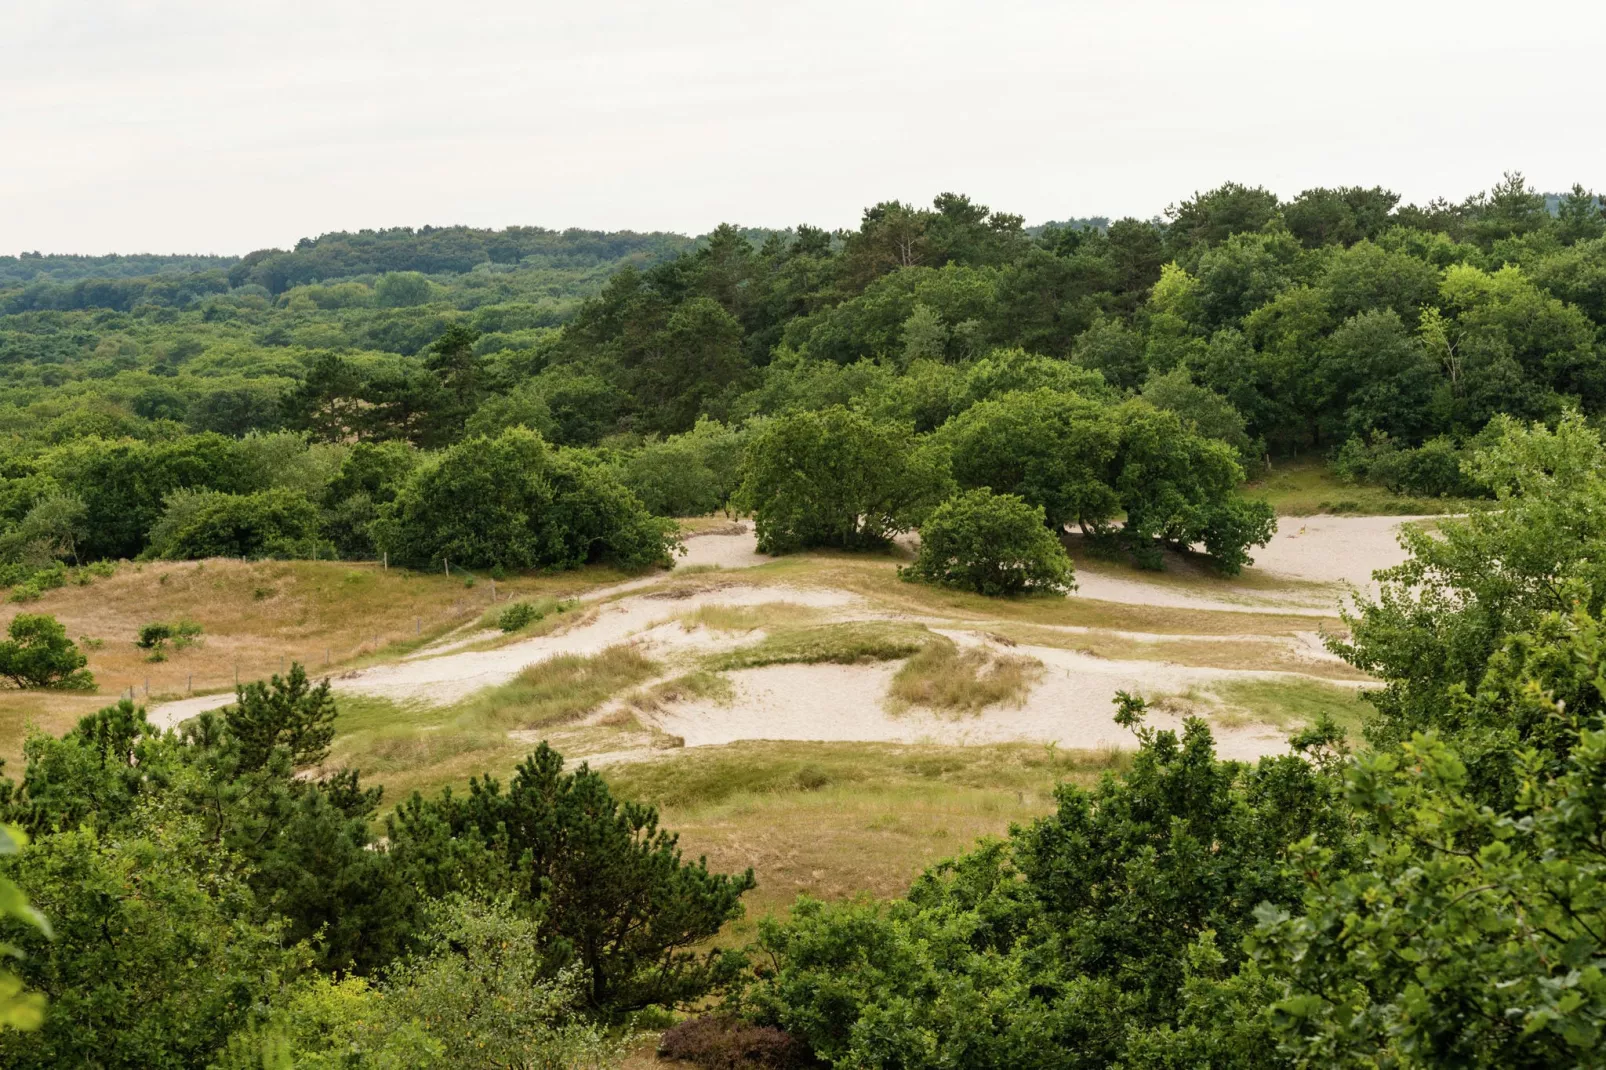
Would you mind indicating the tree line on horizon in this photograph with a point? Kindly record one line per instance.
(297, 401)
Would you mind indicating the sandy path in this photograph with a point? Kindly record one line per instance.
(447, 677)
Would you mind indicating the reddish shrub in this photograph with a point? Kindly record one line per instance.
(716, 1043)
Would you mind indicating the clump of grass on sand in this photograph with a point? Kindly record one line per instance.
(943, 677)
(558, 689)
(843, 644)
(694, 685)
(726, 618)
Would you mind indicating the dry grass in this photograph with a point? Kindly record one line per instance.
(259, 614)
(832, 820)
(875, 578)
(842, 643)
(943, 677)
(694, 685)
(739, 619)
(49, 711)
(255, 618)
(408, 747)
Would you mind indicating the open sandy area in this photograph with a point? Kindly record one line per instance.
(1306, 569)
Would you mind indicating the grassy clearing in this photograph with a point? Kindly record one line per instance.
(842, 644)
(1292, 703)
(414, 746)
(1310, 487)
(833, 820)
(260, 615)
(739, 619)
(943, 677)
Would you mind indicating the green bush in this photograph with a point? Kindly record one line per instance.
(992, 544)
(514, 502)
(156, 636)
(37, 653)
(517, 616)
(1431, 470)
(837, 478)
(269, 523)
(616, 894)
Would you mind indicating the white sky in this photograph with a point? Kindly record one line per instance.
(227, 125)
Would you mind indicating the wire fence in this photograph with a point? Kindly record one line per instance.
(319, 662)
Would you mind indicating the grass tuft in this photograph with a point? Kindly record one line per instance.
(727, 618)
(842, 644)
(943, 677)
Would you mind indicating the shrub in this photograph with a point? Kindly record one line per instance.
(156, 635)
(836, 478)
(518, 615)
(39, 654)
(512, 501)
(719, 1043)
(1432, 470)
(270, 523)
(992, 544)
(618, 896)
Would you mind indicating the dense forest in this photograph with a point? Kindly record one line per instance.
(299, 402)
(215, 895)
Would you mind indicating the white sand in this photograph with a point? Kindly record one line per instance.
(1072, 706)
(723, 551)
(1333, 549)
(450, 676)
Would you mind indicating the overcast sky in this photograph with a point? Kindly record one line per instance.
(220, 126)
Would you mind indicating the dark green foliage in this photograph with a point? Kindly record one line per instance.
(123, 485)
(1333, 315)
(1053, 449)
(1466, 935)
(518, 615)
(511, 501)
(618, 898)
(1066, 943)
(836, 478)
(1178, 490)
(1086, 463)
(992, 544)
(37, 653)
(1432, 470)
(156, 954)
(269, 523)
(1445, 613)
